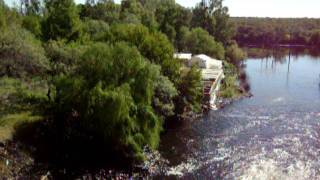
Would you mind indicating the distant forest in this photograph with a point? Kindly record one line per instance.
(276, 31)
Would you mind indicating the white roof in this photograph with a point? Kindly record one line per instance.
(210, 62)
(211, 73)
(182, 55)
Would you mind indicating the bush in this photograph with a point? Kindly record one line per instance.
(94, 28)
(64, 57)
(32, 23)
(21, 54)
(235, 54)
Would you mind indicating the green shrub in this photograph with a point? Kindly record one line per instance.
(234, 54)
(21, 54)
(32, 23)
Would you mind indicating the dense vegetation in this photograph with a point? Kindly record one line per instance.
(272, 31)
(104, 72)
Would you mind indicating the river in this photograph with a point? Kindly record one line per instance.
(273, 135)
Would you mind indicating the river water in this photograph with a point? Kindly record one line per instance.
(273, 135)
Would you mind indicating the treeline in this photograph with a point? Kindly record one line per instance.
(109, 67)
(274, 31)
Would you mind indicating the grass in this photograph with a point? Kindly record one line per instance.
(9, 121)
(20, 102)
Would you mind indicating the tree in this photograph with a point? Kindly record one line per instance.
(234, 54)
(110, 95)
(203, 18)
(190, 91)
(223, 30)
(62, 21)
(154, 46)
(105, 10)
(131, 11)
(199, 41)
(163, 100)
(32, 23)
(21, 55)
(315, 38)
(171, 17)
(64, 57)
(213, 17)
(2, 15)
(95, 28)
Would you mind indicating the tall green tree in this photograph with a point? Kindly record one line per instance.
(202, 17)
(213, 17)
(190, 91)
(199, 41)
(61, 21)
(110, 95)
(105, 10)
(223, 31)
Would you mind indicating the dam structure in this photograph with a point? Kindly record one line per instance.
(212, 75)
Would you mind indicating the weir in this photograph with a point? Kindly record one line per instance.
(212, 75)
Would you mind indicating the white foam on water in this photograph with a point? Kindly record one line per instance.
(268, 169)
(290, 152)
(183, 168)
(279, 99)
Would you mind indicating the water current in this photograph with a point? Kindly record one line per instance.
(273, 135)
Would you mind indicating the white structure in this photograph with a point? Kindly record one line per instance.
(211, 79)
(212, 74)
(183, 56)
(205, 62)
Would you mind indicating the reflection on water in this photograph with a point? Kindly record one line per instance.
(274, 135)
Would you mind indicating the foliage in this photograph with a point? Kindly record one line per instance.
(229, 87)
(95, 28)
(32, 23)
(21, 54)
(62, 21)
(214, 18)
(111, 95)
(105, 10)
(165, 92)
(190, 91)
(63, 57)
(171, 17)
(2, 15)
(234, 54)
(110, 73)
(8, 16)
(152, 45)
(273, 31)
(198, 41)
